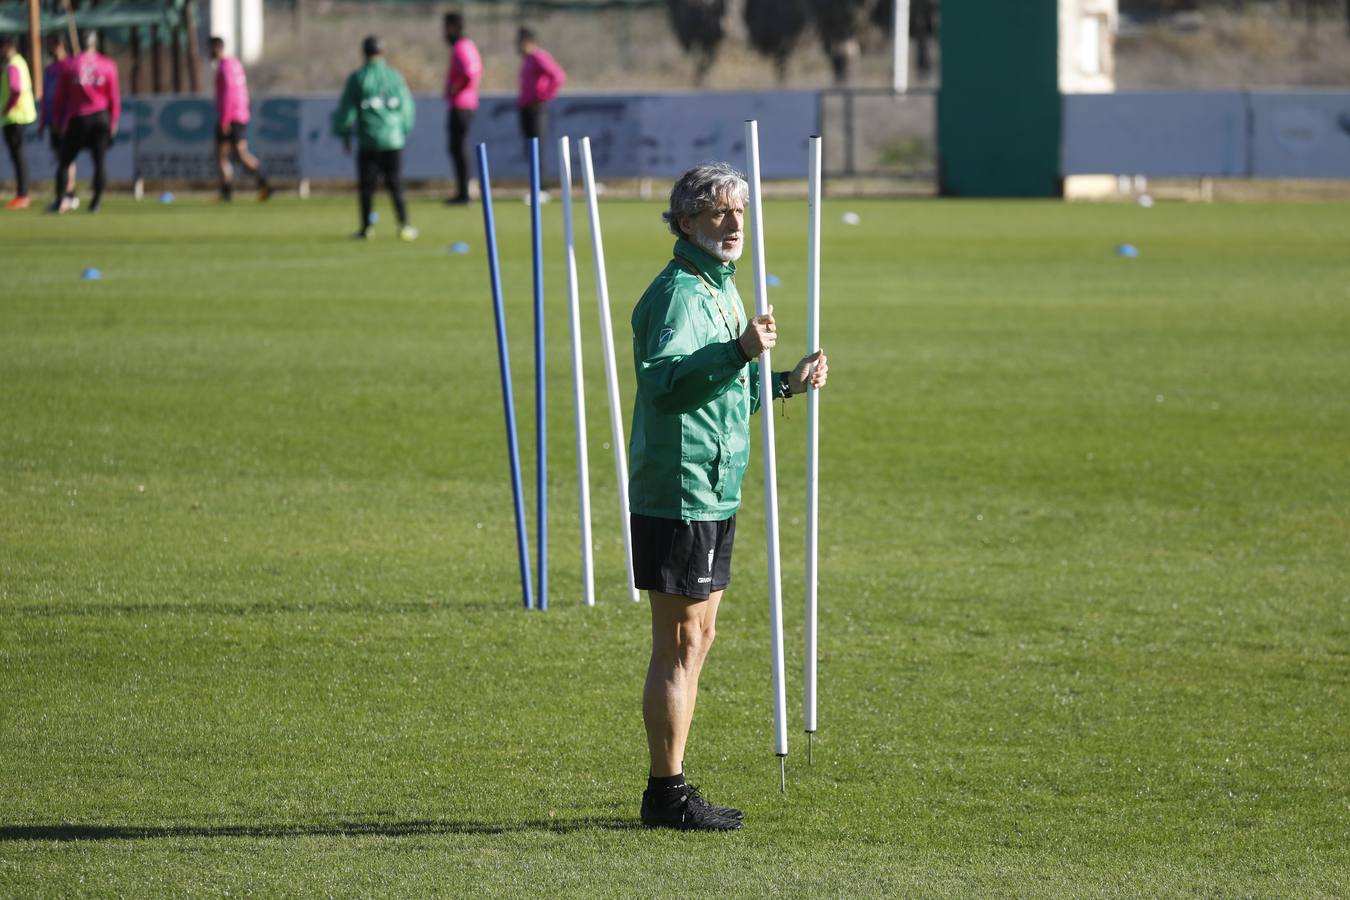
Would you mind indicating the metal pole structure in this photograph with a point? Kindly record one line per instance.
(177, 59)
(616, 438)
(35, 46)
(156, 72)
(766, 381)
(540, 398)
(135, 60)
(71, 31)
(504, 361)
(900, 46)
(578, 387)
(812, 433)
(194, 59)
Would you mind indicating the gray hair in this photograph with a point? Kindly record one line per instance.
(701, 188)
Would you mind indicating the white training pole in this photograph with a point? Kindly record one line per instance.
(812, 430)
(616, 438)
(578, 391)
(900, 46)
(766, 380)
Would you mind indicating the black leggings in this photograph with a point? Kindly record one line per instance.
(90, 133)
(460, 120)
(533, 124)
(14, 141)
(370, 165)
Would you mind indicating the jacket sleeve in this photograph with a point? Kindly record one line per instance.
(345, 114)
(114, 98)
(554, 73)
(59, 118)
(407, 105)
(222, 89)
(676, 369)
(451, 82)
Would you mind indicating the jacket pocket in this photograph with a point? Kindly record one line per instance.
(719, 473)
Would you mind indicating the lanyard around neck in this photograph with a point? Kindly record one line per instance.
(712, 289)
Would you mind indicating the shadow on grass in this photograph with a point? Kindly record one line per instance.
(76, 832)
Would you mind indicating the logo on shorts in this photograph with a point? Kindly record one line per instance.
(710, 559)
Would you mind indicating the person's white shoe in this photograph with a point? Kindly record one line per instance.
(407, 233)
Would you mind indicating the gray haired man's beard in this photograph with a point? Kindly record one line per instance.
(714, 246)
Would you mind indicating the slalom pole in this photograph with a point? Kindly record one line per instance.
(504, 362)
(578, 391)
(616, 438)
(540, 398)
(812, 434)
(766, 380)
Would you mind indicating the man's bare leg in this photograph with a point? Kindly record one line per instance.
(253, 167)
(225, 169)
(682, 633)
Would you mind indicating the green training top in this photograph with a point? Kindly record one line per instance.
(376, 101)
(695, 392)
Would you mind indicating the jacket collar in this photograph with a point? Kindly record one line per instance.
(709, 266)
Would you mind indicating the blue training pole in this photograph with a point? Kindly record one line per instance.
(504, 359)
(541, 429)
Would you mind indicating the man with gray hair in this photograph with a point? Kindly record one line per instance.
(696, 357)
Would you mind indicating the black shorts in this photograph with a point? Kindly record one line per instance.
(232, 134)
(91, 132)
(691, 559)
(534, 121)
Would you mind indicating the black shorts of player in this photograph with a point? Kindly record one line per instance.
(92, 132)
(232, 134)
(691, 559)
(534, 121)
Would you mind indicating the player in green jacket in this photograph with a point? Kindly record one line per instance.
(377, 105)
(697, 386)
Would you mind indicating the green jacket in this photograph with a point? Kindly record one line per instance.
(376, 101)
(695, 392)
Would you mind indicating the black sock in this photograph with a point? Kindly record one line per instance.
(671, 786)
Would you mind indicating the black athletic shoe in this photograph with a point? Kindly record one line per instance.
(688, 813)
(726, 812)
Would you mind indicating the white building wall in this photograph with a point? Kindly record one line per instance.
(1087, 36)
(240, 23)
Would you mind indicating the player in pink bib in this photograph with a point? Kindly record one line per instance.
(88, 106)
(540, 80)
(232, 122)
(461, 93)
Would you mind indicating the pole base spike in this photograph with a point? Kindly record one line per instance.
(810, 761)
(782, 774)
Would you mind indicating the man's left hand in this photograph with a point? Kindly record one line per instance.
(812, 371)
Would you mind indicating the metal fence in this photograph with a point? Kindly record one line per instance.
(874, 132)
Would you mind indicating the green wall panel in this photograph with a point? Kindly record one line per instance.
(999, 113)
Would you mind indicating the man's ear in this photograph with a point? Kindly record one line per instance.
(686, 224)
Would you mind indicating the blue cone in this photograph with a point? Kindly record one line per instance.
(166, 197)
(373, 218)
(459, 247)
(1129, 251)
(91, 274)
(772, 280)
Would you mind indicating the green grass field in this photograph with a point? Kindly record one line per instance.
(1085, 615)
